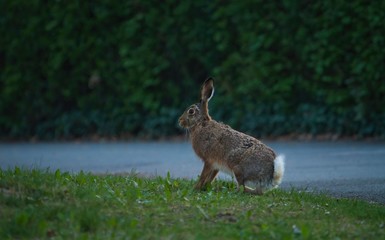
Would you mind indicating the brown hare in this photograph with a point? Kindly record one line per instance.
(221, 148)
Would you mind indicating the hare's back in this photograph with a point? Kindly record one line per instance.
(233, 139)
(221, 140)
(218, 140)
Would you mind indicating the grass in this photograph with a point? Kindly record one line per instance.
(38, 204)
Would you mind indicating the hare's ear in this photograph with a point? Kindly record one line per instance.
(207, 93)
(207, 90)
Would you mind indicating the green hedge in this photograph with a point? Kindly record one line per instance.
(70, 69)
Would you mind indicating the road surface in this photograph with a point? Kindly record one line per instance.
(342, 169)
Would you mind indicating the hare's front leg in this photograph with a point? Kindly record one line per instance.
(207, 176)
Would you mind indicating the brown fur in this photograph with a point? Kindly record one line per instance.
(222, 148)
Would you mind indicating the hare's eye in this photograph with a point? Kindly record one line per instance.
(191, 111)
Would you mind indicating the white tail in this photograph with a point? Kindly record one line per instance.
(279, 169)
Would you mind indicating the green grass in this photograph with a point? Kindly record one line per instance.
(37, 204)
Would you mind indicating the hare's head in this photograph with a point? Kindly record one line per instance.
(198, 112)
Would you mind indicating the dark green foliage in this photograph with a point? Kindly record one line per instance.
(109, 68)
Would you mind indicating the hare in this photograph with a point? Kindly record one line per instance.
(221, 148)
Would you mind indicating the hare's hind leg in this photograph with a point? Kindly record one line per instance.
(239, 176)
(207, 176)
(254, 187)
(256, 191)
(238, 173)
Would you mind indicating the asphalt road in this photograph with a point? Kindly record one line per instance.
(341, 169)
